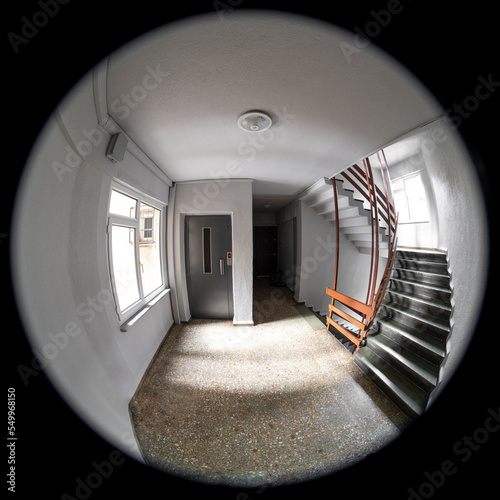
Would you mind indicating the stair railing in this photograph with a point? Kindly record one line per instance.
(382, 212)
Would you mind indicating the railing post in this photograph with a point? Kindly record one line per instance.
(336, 206)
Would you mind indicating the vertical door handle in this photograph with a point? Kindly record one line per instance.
(221, 267)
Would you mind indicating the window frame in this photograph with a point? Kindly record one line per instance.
(135, 222)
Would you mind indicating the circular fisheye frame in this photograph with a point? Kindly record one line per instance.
(225, 306)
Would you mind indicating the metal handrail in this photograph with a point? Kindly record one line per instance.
(363, 181)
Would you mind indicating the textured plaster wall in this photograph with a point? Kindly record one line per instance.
(233, 197)
(463, 231)
(61, 275)
(457, 224)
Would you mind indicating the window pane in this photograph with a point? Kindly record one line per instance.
(124, 268)
(122, 204)
(397, 185)
(147, 223)
(417, 200)
(149, 249)
(401, 204)
(207, 250)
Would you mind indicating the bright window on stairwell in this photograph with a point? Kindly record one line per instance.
(410, 199)
(134, 249)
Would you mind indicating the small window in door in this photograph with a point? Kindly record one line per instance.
(206, 243)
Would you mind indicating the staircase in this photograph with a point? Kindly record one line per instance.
(354, 217)
(407, 342)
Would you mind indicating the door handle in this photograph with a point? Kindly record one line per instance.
(221, 267)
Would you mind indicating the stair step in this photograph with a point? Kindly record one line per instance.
(435, 307)
(423, 344)
(359, 220)
(344, 213)
(407, 395)
(417, 369)
(421, 255)
(343, 202)
(368, 244)
(421, 290)
(317, 189)
(422, 277)
(420, 321)
(384, 252)
(366, 230)
(419, 265)
(365, 236)
(344, 341)
(320, 197)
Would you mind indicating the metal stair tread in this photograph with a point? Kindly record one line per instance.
(426, 262)
(423, 339)
(423, 285)
(433, 303)
(424, 318)
(420, 252)
(413, 361)
(411, 395)
(425, 273)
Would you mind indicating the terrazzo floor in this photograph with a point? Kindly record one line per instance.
(270, 404)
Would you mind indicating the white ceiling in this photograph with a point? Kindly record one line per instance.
(328, 112)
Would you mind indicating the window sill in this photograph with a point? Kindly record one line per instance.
(413, 222)
(124, 327)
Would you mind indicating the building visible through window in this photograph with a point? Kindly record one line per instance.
(146, 227)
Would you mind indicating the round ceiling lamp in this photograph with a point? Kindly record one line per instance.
(254, 121)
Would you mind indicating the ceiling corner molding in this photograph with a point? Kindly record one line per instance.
(99, 83)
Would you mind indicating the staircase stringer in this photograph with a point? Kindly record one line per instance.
(430, 397)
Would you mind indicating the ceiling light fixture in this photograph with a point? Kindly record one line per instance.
(254, 121)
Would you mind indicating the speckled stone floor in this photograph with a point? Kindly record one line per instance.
(275, 403)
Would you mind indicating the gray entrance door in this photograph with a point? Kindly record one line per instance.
(209, 266)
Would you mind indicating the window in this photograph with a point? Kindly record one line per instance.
(146, 224)
(135, 250)
(206, 238)
(410, 199)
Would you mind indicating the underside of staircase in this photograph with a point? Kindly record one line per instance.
(354, 214)
(407, 343)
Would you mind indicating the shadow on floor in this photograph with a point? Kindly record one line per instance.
(275, 403)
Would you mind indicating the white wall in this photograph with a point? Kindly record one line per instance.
(458, 225)
(233, 197)
(60, 269)
(315, 264)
